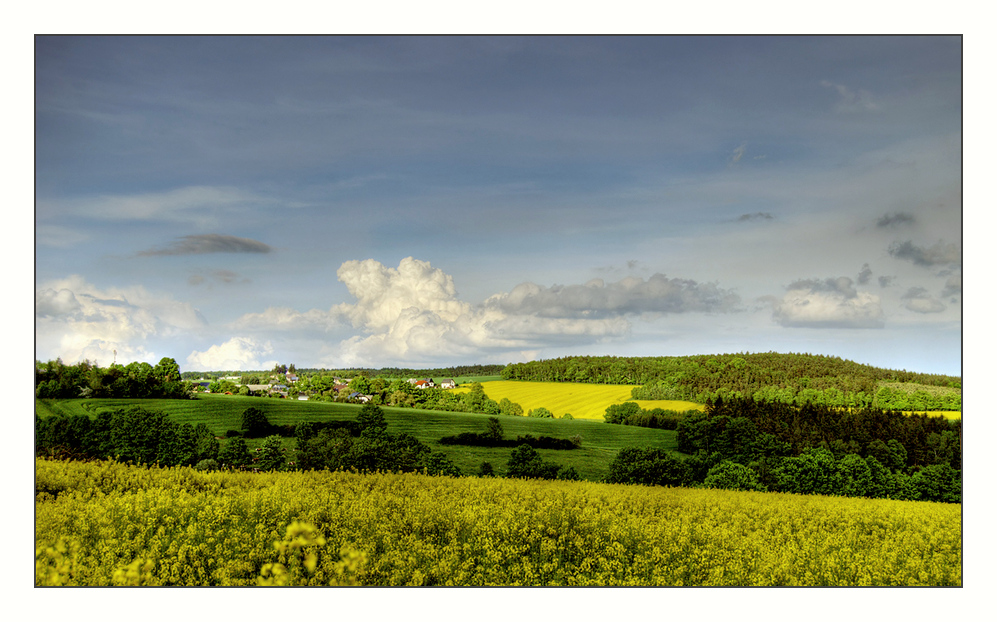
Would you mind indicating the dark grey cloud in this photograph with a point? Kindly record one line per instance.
(210, 243)
(841, 285)
(953, 285)
(827, 303)
(939, 254)
(597, 299)
(886, 281)
(898, 219)
(918, 299)
(755, 216)
(865, 274)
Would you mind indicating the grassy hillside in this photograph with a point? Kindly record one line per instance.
(600, 442)
(100, 523)
(583, 401)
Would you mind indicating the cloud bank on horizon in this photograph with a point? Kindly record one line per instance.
(235, 202)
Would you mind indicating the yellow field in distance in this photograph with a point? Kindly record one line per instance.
(948, 414)
(583, 401)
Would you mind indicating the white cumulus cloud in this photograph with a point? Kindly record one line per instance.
(236, 354)
(75, 320)
(918, 299)
(413, 313)
(828, 303)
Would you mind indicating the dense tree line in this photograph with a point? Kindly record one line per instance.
(788, 378)
(927, 440)
(54, 380)
(126, 434)
(149, 437)
(750, 445)
(630, 413)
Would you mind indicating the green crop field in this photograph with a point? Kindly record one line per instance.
(600, 441)
(582, 401)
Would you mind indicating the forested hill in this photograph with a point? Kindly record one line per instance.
(788, 378)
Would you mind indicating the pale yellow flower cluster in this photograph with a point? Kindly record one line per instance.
(103, 523)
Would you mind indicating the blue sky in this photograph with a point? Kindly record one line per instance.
(233, 202)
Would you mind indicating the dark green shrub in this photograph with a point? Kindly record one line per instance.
(254, 423)
(732, 476)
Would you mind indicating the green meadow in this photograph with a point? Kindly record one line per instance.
(600, 441)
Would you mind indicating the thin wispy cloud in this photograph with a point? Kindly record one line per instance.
(198, 204)
(738, 153)
(850, 99)
(215, 276)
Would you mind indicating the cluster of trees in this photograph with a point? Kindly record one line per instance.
(527, 463)
(493, 436)
(630, 413)
(54, 380)
(787, 378)
(126, 434)
(371, 449)
(749, 445)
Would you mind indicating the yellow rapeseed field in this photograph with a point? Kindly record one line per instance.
(104, 523)
(583, 401)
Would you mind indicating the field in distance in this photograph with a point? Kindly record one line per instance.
(583, 401)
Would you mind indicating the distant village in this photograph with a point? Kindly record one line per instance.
(287, 386)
